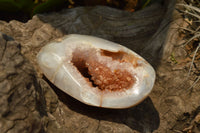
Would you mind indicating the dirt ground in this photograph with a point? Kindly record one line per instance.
(172, 107)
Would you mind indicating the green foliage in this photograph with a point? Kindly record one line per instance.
(15, 5)
(47, 5)
(30, 7)
(173, 59)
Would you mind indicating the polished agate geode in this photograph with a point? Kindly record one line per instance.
(97, 72)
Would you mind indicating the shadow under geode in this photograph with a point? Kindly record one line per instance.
(143, 117)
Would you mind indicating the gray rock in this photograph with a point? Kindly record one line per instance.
(19, 91)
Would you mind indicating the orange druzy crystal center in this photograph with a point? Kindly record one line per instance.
(99, 74)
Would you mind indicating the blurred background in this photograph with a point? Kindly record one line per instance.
(24, 9)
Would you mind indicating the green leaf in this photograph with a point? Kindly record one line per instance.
(47, 6)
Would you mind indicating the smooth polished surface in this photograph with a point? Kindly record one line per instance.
(55, 60)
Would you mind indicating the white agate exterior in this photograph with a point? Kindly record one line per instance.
(54, 60)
